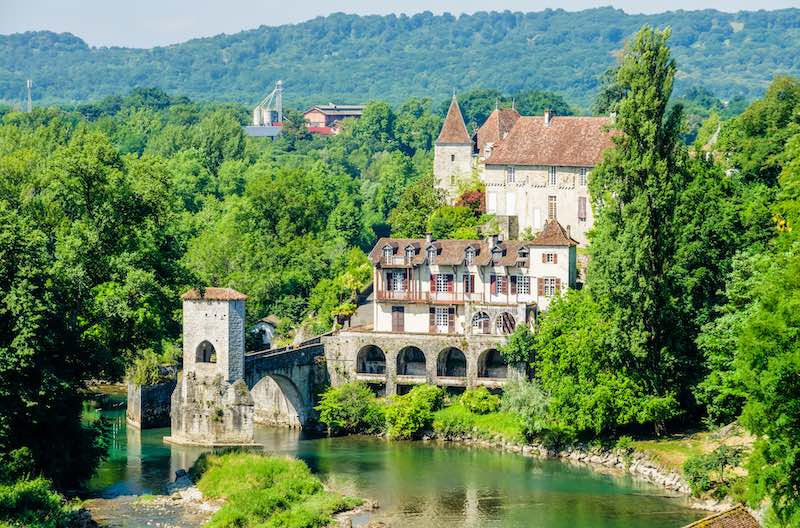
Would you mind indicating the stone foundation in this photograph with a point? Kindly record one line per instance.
(209, 411)
(149, 405)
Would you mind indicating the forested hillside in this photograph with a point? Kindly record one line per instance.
(352, 58)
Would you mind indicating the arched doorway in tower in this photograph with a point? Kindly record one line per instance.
(371, 360)
(277, 401)
(205, 353)
(451, 362)
(411, 362)
(491, 364)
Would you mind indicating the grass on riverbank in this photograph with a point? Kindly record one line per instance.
(673, 451)
(458, 421)
(266, 491)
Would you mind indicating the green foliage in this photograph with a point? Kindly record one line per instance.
(261, 490)
(449, 222)
(520, 346)
(149, 367)
(407, 416)
(456, 421)
(526, 400)
(410, 218)
(706, 473)
(480, 401)
(351, 408)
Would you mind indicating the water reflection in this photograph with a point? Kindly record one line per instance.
(421, 485)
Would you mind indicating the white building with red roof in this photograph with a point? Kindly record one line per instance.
(535, 168)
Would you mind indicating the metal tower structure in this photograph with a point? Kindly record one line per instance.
(30, 102)
(269, 112)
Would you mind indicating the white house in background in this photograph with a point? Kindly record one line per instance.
(468, 287)
(265, 328)
(536, 168)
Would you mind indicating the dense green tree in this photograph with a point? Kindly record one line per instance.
(219, 137)
(410, 217)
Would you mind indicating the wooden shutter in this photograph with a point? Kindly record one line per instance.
(504, 289)
(486, 322)
(467, 283)
(432, 320)
(513, 285)
(451, 320)
(388, 281)
(398, 322)
(558, 285)
(493, 280)
(555, 258)
(544, 258)
(450, 280)
(471, 283)
(540, 282)
(581, 208)
(433, 283)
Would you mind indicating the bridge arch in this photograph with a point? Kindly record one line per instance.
(411, 362)
(278, 401)
(371, 360)
(451, 362)
(492, 364)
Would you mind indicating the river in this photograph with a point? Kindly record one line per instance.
(416, 484)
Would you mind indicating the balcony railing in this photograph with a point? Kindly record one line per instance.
(428, 297)
(395, 260)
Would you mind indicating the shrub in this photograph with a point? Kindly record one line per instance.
(33, 504)
(408, 415)
(351, 408)
(624, 443)
(266, 491)
(480, 401)
(520, 346)
(526, 400)
(706, 473)
(453, 421)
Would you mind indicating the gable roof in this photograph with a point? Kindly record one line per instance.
(214, 294)
(566, 141)
(553, 234)
(496, 127)
(454, 131)
(737, 517)
(337, 110)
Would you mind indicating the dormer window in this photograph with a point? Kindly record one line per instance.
(431, 255)
(409, 254)
(469, 257)
(522, 256)
(387, 253)
(497, 254)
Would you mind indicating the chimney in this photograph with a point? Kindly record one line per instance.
(548, 116)
(428, 238)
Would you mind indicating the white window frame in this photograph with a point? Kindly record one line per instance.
(442, 318)
(398, 282)
(582, 176)
(552, 177)
(549, 286)
(511, 175)
(552, 207)
(500, 279)
(409, 254)
(441, 283)
(523, 285)
(431, 255)
(477, 322)
(388, 253)
(469, 257)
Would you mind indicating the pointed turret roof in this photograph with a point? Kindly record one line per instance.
(553, 235)
(454, 131)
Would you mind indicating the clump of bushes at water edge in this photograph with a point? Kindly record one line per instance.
(351, 408)
(266, 491)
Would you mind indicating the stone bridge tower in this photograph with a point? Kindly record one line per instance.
(211, 404)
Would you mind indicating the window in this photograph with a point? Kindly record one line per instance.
(523, 285)
(431, 255)
(409, 254)
(398, 282)
(442, 319)
(582, 176)
(387, 253)
(469, 257)
(480, 323)
(504, 324)
(469, 283)
(549, 286)
(510, 175)
(551, 208)
(581, 208)
(441, 282)
(549, 258)
(491, 202)
(551, 176)
(501, 284)
(452, 158)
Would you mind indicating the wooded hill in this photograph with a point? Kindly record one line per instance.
(349, 58)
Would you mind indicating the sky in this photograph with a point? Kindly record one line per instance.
(148, 23)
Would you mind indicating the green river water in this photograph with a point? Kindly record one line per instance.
(416, 484)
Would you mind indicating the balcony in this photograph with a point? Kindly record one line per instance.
(395, 261)
(428, 297)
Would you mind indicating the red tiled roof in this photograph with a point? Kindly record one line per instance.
(553, 234)
(497, 126)
(736, 517)
(214, 294)
(321, 130)
(566, 141)
(454, 131)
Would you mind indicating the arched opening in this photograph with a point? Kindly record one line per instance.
(451, 362)
(491, 364)
(411, 362)
(371, 360)
(481, 323)
(277, 401)
(205, 353)
(504, 324)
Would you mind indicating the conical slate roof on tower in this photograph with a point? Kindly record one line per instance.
(454, 131)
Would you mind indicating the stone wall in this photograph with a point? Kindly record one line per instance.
(149, 405)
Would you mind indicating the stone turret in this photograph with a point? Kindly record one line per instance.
(211, 404)
(452, 153)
